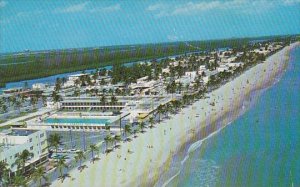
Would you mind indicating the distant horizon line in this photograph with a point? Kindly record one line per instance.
(144, 44)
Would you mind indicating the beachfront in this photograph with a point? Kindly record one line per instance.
(143, 165)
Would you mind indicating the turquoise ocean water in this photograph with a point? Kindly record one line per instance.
(260, 148)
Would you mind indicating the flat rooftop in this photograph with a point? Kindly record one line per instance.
(17, 132)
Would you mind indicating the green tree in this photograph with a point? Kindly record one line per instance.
(4, 173)
(142, 126)
(151, 121)
(79, 157)
(61, 164)
(4, 108)
(103, 100)
(160, 111)
(22, 159)
(56, 97)
(19, 180)
(54, 141)
(113, 100)
(117, 139)
(107, 140)
(39, 174)
(127, 130)
(93, 148)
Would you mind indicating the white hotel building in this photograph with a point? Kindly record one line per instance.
(14, 141)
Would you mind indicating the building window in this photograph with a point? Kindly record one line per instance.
(31, 148)
(42, 135)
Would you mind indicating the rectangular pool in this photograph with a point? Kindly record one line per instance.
(77, 120)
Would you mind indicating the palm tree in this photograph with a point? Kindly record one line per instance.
(77, 92)
(54, 141)
(117, 139)
(151, 121)
(18, 105)
(103, 100)
(4, 173)
(160, 110)
(107, 139)
(39, 174)
(135, 131)
(142, 126)
(55, 97)
(61, 164)
(185, 99)
(168, 108)
(12, 99)
(79, 157)
(93, 148)
(179, 87)
(22, 158)
(19, 180)
(102, 82)
(77, 82)
(4, 108)
(44, 100)
(127, 129)
(33, 101)
(113, 100)
(110, 91)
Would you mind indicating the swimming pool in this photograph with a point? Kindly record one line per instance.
(77, 120)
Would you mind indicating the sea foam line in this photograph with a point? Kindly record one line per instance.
(196, 145)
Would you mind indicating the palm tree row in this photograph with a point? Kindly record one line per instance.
(8, 178)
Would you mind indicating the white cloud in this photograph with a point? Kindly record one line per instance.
(159, 10)
(3, 4)
(112, 8)
(84, 7)
(191, 7)
(291, 2)
(155, 7)
(73, 8)
(27, 14)
(196, 7)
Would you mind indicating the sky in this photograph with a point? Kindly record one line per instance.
(56, 24)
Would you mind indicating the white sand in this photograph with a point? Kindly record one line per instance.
(145, 165)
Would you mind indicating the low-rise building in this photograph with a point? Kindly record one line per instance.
(39, 86)
(14, 141)
(222, 68)
(90, 104)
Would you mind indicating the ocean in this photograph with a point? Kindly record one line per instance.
(260, 148)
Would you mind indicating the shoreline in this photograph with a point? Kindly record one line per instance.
(145, 166)
(244, 107)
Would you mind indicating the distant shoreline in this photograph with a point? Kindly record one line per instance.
(145, 44)
(227, 121)
(224, 118)
(24, 67)
(145, 166)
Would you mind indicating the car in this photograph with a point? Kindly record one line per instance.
(60, 156)
(74, 150)
(61, 150)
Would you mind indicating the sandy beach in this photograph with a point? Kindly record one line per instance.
(152, 153)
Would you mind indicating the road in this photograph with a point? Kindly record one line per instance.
(38, 113)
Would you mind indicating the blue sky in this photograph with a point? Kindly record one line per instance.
(39, 25)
